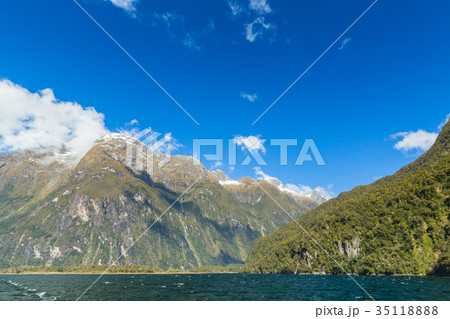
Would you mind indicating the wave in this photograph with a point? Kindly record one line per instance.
(28, 291)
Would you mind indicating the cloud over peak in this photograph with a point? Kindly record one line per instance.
(420, 140)
(38, 120)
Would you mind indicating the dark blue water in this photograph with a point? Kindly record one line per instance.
(220, 287)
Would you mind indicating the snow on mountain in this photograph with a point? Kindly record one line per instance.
(318, 194)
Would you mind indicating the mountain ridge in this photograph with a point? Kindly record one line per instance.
(89, 213)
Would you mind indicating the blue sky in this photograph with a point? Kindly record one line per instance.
(226, 62)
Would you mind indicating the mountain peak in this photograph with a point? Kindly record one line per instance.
(443, 138)
(116, 138)
(220, 175)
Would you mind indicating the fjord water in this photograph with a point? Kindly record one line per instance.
(220, 287)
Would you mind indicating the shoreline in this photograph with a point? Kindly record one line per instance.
(211, 273)
(121, 273)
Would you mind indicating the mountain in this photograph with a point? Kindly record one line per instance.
(397, 225)
(316, 194)
(56, 212)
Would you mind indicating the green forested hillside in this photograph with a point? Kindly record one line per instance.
(398, 225)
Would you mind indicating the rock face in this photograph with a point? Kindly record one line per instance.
(57, 213)
(350, 249)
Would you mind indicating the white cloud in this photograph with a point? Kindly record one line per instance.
(176, 29)
(420, 140)
(235, 7)
(38, 120)
(168, 18)
(302, 189)
(249, 97)
(216, 165)
(273, 180)
(173, 22)
(294, 188)
(132, 122)
(210, 28)
(190, 43)
(251, 143)
(167, 144)
(260, 6)
(256, 29)
(255, 25)
(261, 175)
(157, 142)
(127, 5)
(344, 43)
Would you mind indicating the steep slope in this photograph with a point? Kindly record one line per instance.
(28, 175)
(397, 225)
(54, 213)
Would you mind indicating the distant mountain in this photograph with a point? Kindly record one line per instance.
(316, 194)
(397, 225)
(55, 212)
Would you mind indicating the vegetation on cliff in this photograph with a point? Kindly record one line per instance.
(397, 225)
